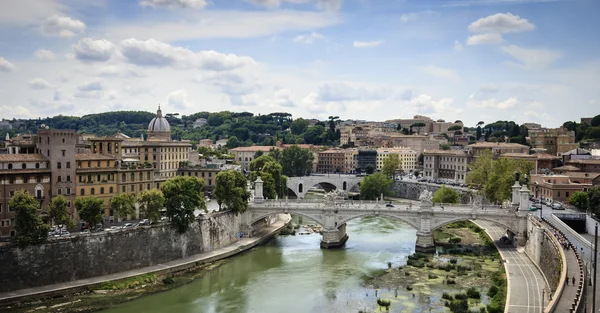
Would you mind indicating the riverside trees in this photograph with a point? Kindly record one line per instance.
(445, 195)
(30, 228)
(231, 191)
(151, 202)
(123, 205)
(183, 195)
(374, 185)
(391, 163)
(58, 212)
(271, 172)
(90, 209)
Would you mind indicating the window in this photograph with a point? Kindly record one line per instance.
(132, 188)
(92, 191)
(107, 163)
(97, 163)
(11, 180)
(123, 177)
(68, 178)
(59, 179)
(68, 164)
(58, 165)
(82, 192)
(89, 163)
(110, 190)
(59, 191)
(63, 152)
(38, 179)
(101, 190)
(68, 191)
(123, 189)
(10, 166)
(132, 176)
(23, 166)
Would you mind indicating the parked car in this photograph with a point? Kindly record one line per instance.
(127, 225)
(144, 222)
(389, 205)
(557, 206)
(533, 208)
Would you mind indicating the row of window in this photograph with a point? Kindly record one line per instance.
(26, 179)
(23, 166)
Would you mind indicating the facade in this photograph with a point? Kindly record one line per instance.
(555, 187)
(591, 165)
(96, 176)
(30, 172)
(331, 161)
(554, 141)
(497, 148)
(207, 174)
(446, 164)
(365, 159)
(245, 155)
(408, 158)
(543, 162)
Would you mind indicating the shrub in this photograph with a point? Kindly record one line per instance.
(432, 276)
(473, 293)
(450, 282)
(406, 274)
(409, 288)
(453, 261)
(492, 291)
(460, 296)
(168, 280)
(447, 296)
(454, 240)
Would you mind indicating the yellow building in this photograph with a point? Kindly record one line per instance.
(96, 176)
(408, 158)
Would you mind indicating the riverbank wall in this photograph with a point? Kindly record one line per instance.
(84, 256)
(412, 190)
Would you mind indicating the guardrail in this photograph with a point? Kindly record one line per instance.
(575, 305)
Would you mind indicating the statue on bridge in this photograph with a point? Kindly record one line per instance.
(426, 196)
(333, 195)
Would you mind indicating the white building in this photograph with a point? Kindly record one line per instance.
(446, 164)
(408, 158)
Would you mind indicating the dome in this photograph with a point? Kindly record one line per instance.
(159, 123)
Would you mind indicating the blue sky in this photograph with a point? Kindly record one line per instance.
(523, 60)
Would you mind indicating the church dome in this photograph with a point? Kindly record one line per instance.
(159, 123)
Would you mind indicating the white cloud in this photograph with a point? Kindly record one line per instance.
(440, 72)
(465, 3)
(15, 13)
(38, 83)
(89, 50)
(246, 100)
(501, 23)
(308, 38)
(6, 66)
(337, 92)
(230, 82)
(427, 104)
(458, 46)
(91, 86)
(531, 58)
(159, 54)
(367, 44)
(332, 5)
(483, 39)
(283, 98)
(178, 100)
(492, 103)
(174, 4)
(45, 55)
(413, 16)
(225, 24)
(62, 26)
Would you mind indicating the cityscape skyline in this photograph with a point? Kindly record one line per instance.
(526, 60)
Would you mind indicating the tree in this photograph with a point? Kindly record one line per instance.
(296, 161)
(275, 153)
(594, 196)
(233, 142)
(444, 146)
(445, 195)
(369, 169)
(478, 132)
(418, 126)
(231, 190)
(580, 200)
(595, 121)
(260, 162)
(30, 228)
(151, 202)
(374, 185)
(58, 212)
(299, 126)
(391, 163)
(90, 209)
(258, 153)
(454, 128)
(183, 195)
(332, 120)
(480, 170)
(123, 205)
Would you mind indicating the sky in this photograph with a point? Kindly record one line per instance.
(471, 60)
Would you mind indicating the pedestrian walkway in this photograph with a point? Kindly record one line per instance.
(172, 266)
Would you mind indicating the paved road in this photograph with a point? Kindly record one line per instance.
(526, 283)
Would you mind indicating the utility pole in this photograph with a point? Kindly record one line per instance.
(595, 268)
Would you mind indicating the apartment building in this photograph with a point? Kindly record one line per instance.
(555, 187)
(96, 176)
(29, 172)
(331, 161)
(446, 164)
(553, 141)
(497, 148)
(408, 158)
(589, 165)
(245, 155)
(207, 174)
(365, 159)
(543, 162)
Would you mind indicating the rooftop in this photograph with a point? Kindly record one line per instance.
(92, 156)
(586, 175)
(497, 145)
(564, 168)
(21, 157)
(445, 152)
(539, 156)
(253, 149)
(590, 161)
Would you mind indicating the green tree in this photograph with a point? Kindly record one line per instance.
(369, 169)
(418, 126)
(151, 202)
(480, 170)
(30, 228)
(374, 185)
(275, 153)
(260, 162)
(123, 205)
(58, 212)
(231, 190)
(444, 146)
(500, 180)
(233, 142)
(258, 153)
(445, 195)
(299, 126)
(183, 195)
(296, 161)
(580, 200)
(90, 209)
(391, 164)
(594, 196)
(279, 182)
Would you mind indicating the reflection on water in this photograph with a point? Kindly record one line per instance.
(292, 274)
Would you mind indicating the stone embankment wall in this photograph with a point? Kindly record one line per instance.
(68, 259)
(544, 251)
(412, 190)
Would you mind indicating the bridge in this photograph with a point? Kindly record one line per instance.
(301, 185)
(333, 213)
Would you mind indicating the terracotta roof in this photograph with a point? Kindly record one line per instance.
(21, 157)
(539, 156)
(498, 144)
(590, 161)
(566, 168)
(586, 175)
(253, 149)
(446, 152)
(92, 156)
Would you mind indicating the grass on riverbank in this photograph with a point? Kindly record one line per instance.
(109, 294)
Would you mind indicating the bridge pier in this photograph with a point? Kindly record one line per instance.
(425, 242)
(334, 238)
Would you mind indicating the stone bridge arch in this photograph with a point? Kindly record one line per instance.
(299, 186)
(412, 221)
(258, 216)
(509, 225)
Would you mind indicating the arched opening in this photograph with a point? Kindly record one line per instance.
(300, 188)
(344, 186)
